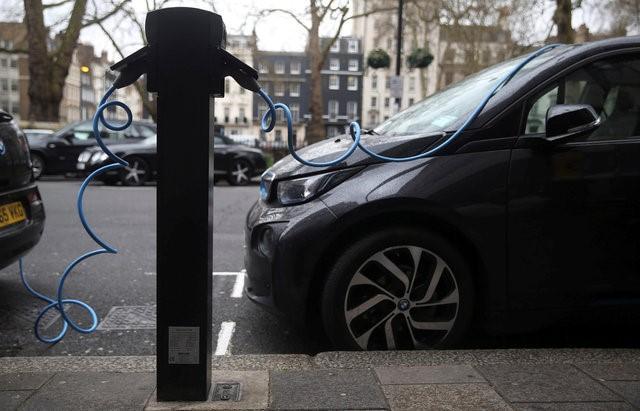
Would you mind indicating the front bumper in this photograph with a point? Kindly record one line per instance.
(16, 240)
(283, 250)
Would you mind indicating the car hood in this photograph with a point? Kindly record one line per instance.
(327, 150)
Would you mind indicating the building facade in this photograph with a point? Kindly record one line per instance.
(342, 84)
(457, 52)
(14, 70)
(234, 111)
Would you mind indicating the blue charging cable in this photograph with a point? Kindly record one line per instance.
(59, 302)
(354, 127)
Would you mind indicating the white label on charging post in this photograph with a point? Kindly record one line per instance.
(184, 343)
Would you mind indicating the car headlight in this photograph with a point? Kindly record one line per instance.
(98, 157)
(299, 190)
(84, 156)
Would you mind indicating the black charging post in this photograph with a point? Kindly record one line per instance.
(183, 72)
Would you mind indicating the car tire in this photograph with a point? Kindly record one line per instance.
(365, 306)
(37, 164)
(239, 173)
(136, 173)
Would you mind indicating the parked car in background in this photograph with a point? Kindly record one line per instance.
(21, 210)
(58, 153)
(235, 162)
(531, 216)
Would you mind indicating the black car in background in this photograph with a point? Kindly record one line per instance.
(531, 216)
(235, 162)
(21, 210)
(58, 153)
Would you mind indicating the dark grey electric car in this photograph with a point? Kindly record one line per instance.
(533, 213)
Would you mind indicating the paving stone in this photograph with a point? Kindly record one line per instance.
(10, 400)
(629, 390)
(93, 390)
(612, 371)
(444, 397)
(544, 383)
(23, 380)
(326, 389)
(254, 395)
(437, 374)
(573, 406)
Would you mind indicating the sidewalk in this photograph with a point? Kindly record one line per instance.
(567, 379)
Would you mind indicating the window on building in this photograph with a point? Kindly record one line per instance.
(295, 112)
(14, 85)
(387, 82)
(14, 62)
(294, 89)
(352, 110)
(386, 102)
(374, 82)
(448, 78)
(262, 108)
(227, 113)
(352, 83)
(279, 116)
(227, 86)
(262, 67)
(335, 47)
(242, 90)
(332, 131)
(279, 67)
(334, 82)
(449, 55)
(353, 65)
(500, 56)
(374, 102)
(411, 101)
(486, 56)
(412, 83)
(469, 56)
(295, 67)
(278, 89)
(3, 62)
(389, 43)
(373, 119)
(334, 107)
(353, 46)
(278, 135)
(241, 114)
(334, 64)
(4, 84)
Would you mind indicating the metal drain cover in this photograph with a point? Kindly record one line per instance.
(129, 318)
(226, 391)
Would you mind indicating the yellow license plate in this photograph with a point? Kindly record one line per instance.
(11, 213)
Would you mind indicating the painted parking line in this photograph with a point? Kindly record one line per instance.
(238, 286)
(224, 338)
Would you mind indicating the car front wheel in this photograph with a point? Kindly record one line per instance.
(239, 173)
(136, 173)
(37, 164)
(398, 288)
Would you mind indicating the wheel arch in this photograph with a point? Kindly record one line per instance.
(409, 213)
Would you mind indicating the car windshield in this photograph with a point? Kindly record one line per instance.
(444, 109)
(149, 141)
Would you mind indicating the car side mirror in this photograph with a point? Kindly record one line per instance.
(568, 121)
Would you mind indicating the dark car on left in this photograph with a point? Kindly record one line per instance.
(57, 153)
(21, 210)
(237, 163)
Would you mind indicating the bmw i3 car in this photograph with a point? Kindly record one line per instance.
(532, 213)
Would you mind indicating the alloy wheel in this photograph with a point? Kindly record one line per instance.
(37, 166)
(240, 172)
(135, 173)
(403, 297)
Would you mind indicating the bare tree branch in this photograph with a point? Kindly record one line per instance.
(266, 12)
(58, 4)
(98, 19)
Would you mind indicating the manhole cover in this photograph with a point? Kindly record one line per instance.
(141, 317)
(226, 391)
(17, 317)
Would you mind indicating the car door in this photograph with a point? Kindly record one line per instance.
(74, 142)
(220, 155)
(574, 209)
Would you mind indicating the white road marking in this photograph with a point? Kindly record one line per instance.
(216, 273)
(238, 287)
(224, 338)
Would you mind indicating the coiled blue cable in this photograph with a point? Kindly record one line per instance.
(354, 127)
(59, 302)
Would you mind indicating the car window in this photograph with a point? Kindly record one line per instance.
(218, 141)
(144, 131)
(611, 86)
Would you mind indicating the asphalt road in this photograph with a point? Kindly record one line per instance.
(122, 287)
(125, 217)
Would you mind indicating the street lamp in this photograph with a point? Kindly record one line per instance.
(397, 86)
(83, 70)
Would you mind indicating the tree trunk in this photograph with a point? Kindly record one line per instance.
(562, 19)
(315, 130)
(48, 70)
